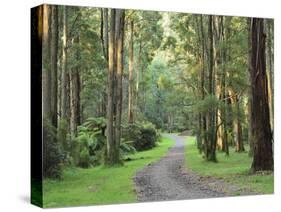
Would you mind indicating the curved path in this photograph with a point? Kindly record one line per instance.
(167, 179)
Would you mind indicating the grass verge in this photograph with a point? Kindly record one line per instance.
(233, 169)
(100, 185)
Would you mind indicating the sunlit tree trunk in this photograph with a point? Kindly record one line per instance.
(110, 80)
(217, 25)
(131, 69)
(64, 83)
(64, 75)
(138, 71)
(120, 19)
(269, 54)
(114, 95)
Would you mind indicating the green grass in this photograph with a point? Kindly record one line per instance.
(100, 185)
(233, 169)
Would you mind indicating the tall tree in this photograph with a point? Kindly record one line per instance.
(110, 147)
(114, 88)
(139, 69)
(260, 120)
(104, 42)
(218, 32)
(64, 75)
(104, 31)
(120, 21)
(270, 62)
(52, 156)
(224, 37)
(203, 115)
(75, 87)
(237, 127)
(75, 93)
(54, 64)
(211, 143)
(131, 71)
(46, 73)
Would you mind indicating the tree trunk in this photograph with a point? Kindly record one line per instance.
(269, 29)
(53, 65)
(138, 72)
(262, 136)
(64, 76)
(105, 33)
(218, 28)
(239, 145)
(120, 18)
(110, 139)
(105, 46)
(46, 73)
(75, 93)
(114, 96)
(250, 101)
(203, 115)
(131, 67)
(102, 32)
(224, 38)
(211, 149)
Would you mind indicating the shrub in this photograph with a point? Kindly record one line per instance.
(127, 148)
(131, 131)
(52, 153)
(62, 134)
(88, 146)
(84, 158)
(74, 152)
(144, 136)
(146, 140)
(64, 140)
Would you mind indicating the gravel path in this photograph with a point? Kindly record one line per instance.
(168, 179)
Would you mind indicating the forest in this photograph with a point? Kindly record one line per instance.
(123, 88)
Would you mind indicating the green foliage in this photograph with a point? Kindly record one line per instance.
(159, 90)
(210, 102)
(95, 123)
(52, 152)
(144, 136)
(84, 158)
(90, 145)
(127, 148)
(147, 139)
(62, 135)
(74, 152)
